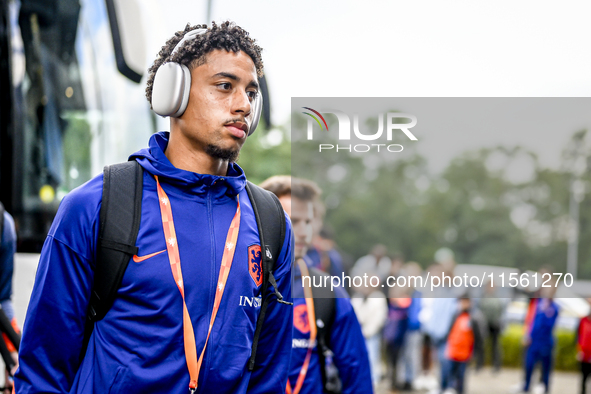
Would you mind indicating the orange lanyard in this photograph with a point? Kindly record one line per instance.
(193, 363)
(312, 324)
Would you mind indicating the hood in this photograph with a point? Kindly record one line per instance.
(153, 160)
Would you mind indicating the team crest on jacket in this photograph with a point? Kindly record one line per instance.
(300, 318)
(255, 267)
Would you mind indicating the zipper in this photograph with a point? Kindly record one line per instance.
(212, 285)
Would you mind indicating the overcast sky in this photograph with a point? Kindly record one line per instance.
(326, 48)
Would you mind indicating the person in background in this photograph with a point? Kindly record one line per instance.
(493, 309)
(443, 307)
(396, 265)
(395, 329)
(345, 342)
(377, 261)
(464, 335)
(426, 379)
(584, 348)
(7, 251)
(539, 338)
(323, 253)
(371, 309)
(408, 364)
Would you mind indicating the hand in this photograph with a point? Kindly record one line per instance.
(8, 382)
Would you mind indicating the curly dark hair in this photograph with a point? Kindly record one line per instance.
(225, 36)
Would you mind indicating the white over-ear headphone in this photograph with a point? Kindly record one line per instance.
(172, 83)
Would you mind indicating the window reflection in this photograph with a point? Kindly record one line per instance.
(56, 136)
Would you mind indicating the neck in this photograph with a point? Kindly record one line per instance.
(184, 155)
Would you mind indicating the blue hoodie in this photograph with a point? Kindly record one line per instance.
(345, 340)
(138, 346)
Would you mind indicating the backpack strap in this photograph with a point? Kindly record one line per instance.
(325, 311)
(119, 225)
(120, 217)
(1, 222)
(270, 219)
(324, 305)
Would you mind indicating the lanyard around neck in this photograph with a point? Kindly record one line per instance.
(311, 324)
(193, 363)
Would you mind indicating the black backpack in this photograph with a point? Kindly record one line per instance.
(119, 225)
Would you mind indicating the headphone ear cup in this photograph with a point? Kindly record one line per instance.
(186, 90)
(170, 92)
(258, 108)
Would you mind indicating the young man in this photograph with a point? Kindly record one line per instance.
(345, 339)
(178, 321)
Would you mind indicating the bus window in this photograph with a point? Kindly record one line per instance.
(54, 141)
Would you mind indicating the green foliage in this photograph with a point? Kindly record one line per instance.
(565, 351)
(514, 352)
(511, 346)
(260, 159)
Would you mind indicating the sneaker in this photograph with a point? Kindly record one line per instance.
(540, 388)
(419, 382)
(430, 382)
(517, 389)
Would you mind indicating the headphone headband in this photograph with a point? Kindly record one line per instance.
(189, 36)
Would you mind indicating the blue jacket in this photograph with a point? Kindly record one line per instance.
(414, 324)
(138, 346)
(7, 251)
(442, 312)
(346, 342)
(543, 325)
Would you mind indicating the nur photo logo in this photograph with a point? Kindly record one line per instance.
(387, 125)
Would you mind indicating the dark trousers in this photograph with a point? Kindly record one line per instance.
(586, 370)
(534, 355)
(427, 353)
(454, 376)
(393, 353)
(495, 333)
